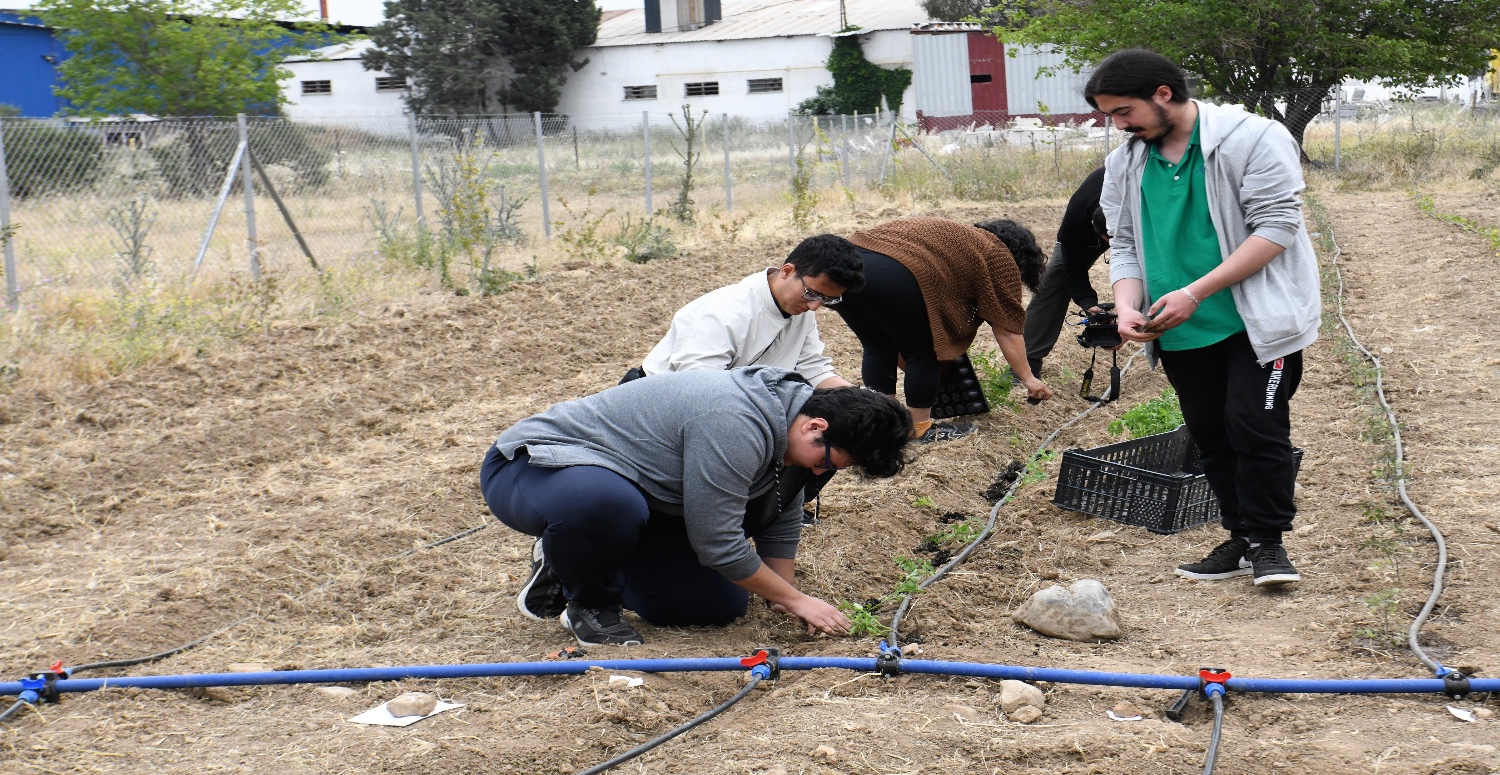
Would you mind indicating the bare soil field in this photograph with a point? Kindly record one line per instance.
(277, 486)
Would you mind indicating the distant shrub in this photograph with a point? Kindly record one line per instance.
(43, 159)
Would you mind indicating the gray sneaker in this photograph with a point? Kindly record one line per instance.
(541, 597)
(599, 626)
(1226, 561)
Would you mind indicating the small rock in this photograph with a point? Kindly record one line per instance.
(1484, 713)
(1125, 711)
(1015, 694)
(1157, 579)
(964, 712)
(249, 667)
(412, 704)
(1026, 714)
(1082, 611)
(825, 753)
(337, 692)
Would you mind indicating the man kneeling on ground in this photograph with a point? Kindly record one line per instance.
(644, 495)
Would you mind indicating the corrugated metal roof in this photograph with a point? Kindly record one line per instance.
(750, 19)
(354, 49)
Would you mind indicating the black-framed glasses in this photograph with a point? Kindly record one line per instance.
(828, 458)
(812, 295)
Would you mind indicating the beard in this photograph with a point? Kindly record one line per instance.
(1164, 127)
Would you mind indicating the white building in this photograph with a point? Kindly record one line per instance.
(759, 60)
(750, 58)
(334, 84)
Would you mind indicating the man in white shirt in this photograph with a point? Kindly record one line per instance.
(760, 321)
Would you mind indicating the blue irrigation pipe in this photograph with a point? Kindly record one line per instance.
(724, 664)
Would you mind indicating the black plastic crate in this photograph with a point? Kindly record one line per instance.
(1155, 482)
(959, 393)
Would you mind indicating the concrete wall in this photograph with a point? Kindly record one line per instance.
(595, 95)
(353, 94)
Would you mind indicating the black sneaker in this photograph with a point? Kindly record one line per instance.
(599, 626)
(946, 431)
(1226, 561)
(541, 597)
(1272, 565)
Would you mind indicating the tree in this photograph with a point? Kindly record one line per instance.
(176, 57)
(960, 10)
(1270, 51)
(473, 56)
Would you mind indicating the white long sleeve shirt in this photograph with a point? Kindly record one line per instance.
(740, 325)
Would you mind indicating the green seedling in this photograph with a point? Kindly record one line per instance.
(862, 619)
(1036, 469)
(923, 502)
(1147, 418)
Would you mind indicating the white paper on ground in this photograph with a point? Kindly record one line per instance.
(382, 716)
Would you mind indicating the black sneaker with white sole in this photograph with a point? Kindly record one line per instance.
(1226, 561)
(599, 626)
(1271, 565)
(945, 431)
(541, 597)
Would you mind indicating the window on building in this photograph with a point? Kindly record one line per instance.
(981, 78)
(390, 83)
(640, 92)
(764, 85)
(317, 87)
(702, 89)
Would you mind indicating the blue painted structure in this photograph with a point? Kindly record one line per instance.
(29, 78)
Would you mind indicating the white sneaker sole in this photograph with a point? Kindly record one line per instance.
(536, 554)
(1277, 578)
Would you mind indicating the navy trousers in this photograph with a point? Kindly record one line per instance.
(1239, 414)
(606, 545)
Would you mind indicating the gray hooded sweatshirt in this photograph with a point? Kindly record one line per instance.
(701, 444)
(1253, 178)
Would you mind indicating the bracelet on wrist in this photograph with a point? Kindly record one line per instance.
(1189, 294)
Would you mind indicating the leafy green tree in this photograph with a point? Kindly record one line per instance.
(475, 56)
(176, 57)
(959, 10)
(1270, 51)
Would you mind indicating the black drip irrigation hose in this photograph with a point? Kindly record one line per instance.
(13, 709)
(1210, 758)
(160, 655)
(1400, 464)
(755, 679)
(893, 637)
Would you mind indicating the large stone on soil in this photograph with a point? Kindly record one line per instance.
(1016, 694)
(1082, 611)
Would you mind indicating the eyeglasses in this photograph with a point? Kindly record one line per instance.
(828, 458)
(812, 295)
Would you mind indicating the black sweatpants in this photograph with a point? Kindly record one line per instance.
(1239, 413)
(889, 317)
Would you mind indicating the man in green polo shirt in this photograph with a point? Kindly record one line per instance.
(1212, 267)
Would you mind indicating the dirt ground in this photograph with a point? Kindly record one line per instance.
(274, 484)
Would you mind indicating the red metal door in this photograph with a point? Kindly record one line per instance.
(987, 74)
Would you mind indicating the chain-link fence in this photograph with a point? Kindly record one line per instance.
(94, 203)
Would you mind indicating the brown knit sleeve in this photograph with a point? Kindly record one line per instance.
(999, 300)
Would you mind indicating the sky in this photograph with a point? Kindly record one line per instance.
(362, 12)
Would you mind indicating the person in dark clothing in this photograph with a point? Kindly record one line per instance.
(678, 495)
(929, 285)
(1082, 238)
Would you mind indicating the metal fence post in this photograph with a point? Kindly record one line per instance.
(646, 137)
(1338, 94)
(885, 158)
(416, 170)
(247, 185)
(728, 179)
(791, 147)
(845, 159)
(541, 170)
(12, 288)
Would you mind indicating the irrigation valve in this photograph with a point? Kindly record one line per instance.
(1213, 680)
(765, 663)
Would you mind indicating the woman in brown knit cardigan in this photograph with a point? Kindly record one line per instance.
(929, 283)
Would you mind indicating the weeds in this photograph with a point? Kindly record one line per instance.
(923, 502)
(1159, 415)
(583, 236)
(1490, 233)
(691, 130)
(644, 239)
(131, 224)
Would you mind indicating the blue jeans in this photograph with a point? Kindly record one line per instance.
(606, 545)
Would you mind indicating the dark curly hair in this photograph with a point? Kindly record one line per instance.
(1023, 248)
(831, 256)
(872, 427)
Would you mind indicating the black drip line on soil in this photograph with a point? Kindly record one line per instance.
(892, 640)
(1400, 464)
(160, 655)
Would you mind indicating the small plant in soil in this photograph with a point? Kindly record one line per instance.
(862, 619)
(1159, 415)
(644, 239)
(994, 377)
(923, 502)
(1036, 469)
